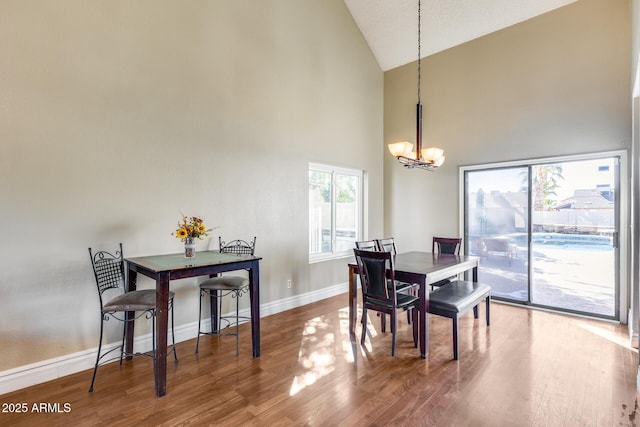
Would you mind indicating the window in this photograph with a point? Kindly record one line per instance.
(335, 214)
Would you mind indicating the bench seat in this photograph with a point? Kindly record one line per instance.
(457, 298)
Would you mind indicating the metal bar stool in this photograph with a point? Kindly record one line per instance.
(222, 286)
(109, 273)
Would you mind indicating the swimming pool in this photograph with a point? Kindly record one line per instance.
(574, 240)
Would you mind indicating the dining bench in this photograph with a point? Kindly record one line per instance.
(457, 298)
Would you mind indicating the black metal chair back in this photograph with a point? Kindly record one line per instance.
(108, 269)
(446, 245)
(239, 247)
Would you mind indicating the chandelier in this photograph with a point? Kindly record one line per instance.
(422, 158)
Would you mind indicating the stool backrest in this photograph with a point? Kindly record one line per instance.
(239, 247)
(108, 270)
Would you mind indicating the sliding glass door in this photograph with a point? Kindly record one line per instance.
(547, 233)
(574, 235)
(497, 226)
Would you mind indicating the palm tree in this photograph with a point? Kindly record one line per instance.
(545, 183)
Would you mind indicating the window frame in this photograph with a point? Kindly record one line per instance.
(334, 170)
(622, 218)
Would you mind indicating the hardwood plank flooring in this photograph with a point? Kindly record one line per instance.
(529, 368)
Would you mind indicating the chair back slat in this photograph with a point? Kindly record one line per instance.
(446, 245)
(367, 245)
(239, 247)
(108, 269)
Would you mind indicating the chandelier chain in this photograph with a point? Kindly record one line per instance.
(419, 59)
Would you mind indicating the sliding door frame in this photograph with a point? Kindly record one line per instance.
(622, 219)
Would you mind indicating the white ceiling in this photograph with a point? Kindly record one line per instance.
(391, 26)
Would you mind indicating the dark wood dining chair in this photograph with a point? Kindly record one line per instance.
(379, 292)
(221, 286)
(372, 245)
(109, 271)
(445, 245)
(388, 244)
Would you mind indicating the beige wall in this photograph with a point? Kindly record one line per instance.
(557, 84)
(116, 115)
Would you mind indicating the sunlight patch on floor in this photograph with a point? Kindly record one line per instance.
(319, 335)
(343, 313)
(608, 335)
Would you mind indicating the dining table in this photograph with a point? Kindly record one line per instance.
(165, 268)
(420, 269)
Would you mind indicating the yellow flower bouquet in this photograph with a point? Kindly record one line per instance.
(190, 228)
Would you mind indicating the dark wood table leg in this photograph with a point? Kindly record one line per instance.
(254, 296)
(353, 311)
(162, 323)
(423, 319)
(130, 316)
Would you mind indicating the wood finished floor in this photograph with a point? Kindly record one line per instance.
(529, 368)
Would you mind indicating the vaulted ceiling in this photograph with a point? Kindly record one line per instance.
(391, 26)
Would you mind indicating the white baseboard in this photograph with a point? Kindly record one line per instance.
(51, 369)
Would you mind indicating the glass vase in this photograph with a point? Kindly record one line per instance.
(189, 247)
